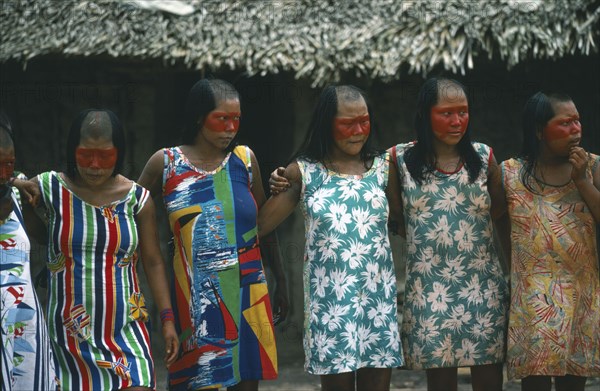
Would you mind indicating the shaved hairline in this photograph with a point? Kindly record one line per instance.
(96, 125)
(348, 94)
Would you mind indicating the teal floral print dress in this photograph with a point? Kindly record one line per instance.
(456, 296)
(350, 311)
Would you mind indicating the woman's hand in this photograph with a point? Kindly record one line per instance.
(578, 158)
(171, 342)
(281, 303)
(589, 188)
(277, 182)
(29, 190)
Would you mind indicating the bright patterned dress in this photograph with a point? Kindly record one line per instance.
(26, 357)
(350, 310)
(456, 296)
(554, 327)
(96, 311)
(221, 303)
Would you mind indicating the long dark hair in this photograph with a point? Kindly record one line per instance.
(74, 138)
(319, 138)
(536, 114)
(420, 159)
(202, 99)
(7, 138)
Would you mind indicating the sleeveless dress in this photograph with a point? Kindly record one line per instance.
(456, 296)
(350, 310)
(220, 298)
(554, 326)
(26, 358)
(96, 312)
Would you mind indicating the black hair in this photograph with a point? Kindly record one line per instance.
(7, 139)
(536, 114)
(74, 138)
(202, 99)
(420, 159)
(319, 138)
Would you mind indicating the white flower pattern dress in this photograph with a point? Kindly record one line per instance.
(456, 296)
(26, 356)
(350, 310)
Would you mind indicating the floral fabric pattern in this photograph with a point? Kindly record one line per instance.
(349, 278)
(455, 294)
(26, 357)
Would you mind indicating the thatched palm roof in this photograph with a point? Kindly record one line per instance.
(316, 39)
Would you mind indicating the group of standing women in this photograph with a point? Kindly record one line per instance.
(444, 191)
(450, 193)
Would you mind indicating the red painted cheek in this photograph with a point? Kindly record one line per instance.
(96, 158)
(440, 124)
(443, 125)
(7, 169)
(214, 124)
(222, 122)
(554, 133)
(464, 122)
(346, 128)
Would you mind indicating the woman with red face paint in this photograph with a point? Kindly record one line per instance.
(553, 197)
(26, 356)
(97, 222)
(455, 293)
(346, 190)
(212, 191)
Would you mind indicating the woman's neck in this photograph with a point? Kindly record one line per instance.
(203, 152)
(344, 163)
(338, 156)
(443, 151)
(207, 152)
(82, 185)
(546, 158)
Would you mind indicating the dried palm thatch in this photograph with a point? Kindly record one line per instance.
(316, 39)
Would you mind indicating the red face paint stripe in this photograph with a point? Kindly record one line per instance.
(560, 128)
(219, 121)
(7, 168)
(344, 128)
(93, 157)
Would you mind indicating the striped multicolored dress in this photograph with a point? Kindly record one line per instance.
(96, 312)
(26, 357)
(223, 313)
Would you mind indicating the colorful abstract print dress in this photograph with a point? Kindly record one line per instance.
(350, 310)
(26, 357)
(222, 307)
(456, 296)
(96, 312)
(554, 327)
